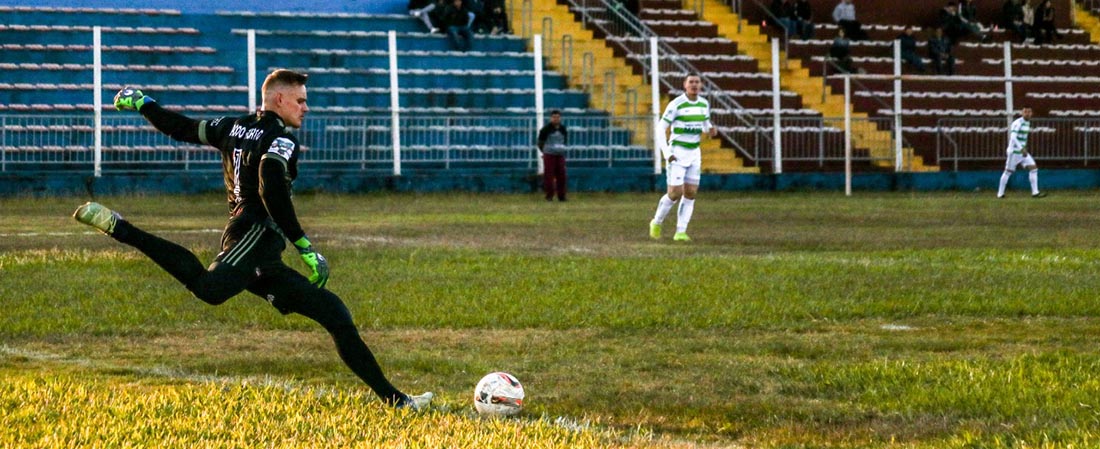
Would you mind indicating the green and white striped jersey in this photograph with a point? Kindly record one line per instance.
(1017, 135)
(688, 120)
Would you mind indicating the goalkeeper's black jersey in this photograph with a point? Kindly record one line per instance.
(259, 160)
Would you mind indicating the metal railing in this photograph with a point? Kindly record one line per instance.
(344, 143)
(633, 36)
(1067, 140)
(816, 140)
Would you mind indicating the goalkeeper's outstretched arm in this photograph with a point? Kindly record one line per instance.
(175, 125)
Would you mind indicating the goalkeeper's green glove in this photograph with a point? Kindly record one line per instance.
(316, 262)
(131, 99)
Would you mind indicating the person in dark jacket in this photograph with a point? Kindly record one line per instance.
(909, 49)
(260, 162)
(939, 51)
(551, 142)
(456, 19)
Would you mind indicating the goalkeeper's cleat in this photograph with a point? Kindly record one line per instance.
(1039, 195)
(681, 237)
(131, 99)
(654, 230)
(416, 403)
(97, 216)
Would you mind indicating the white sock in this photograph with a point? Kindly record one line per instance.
(683, 216)
(663, 207)
(1033, 176)
(1004, 182)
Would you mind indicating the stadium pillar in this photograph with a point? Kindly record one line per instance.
(97, 102)
(655, 88)
(1010, 109)
(897, 106)
(847, 134)
(539, 106)
(777, 133)
(395, 110)
(252, 104)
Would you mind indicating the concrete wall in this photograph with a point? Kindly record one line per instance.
(210, 6)
(580, 180)
(923, 13)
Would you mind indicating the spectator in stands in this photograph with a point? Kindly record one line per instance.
(955, 27)
(841, 52)
(909, 49)
(969, 14)
(495, 20)
(1045, 30)
(551, 142)
(425, 10)
(1012, 19)
(784, 13)
(688, 117)
(456, 19)
(1029, 18)
(804, 14)
(1018, 154)
(845, 16)
(260, 156)
(939, 51)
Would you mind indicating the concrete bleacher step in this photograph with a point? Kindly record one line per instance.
(408, 41)
(113, 54)
(754, 42)
(441, 60)
(428, 78)
(306, 21)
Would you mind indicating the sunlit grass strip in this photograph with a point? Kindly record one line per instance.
(67, 410)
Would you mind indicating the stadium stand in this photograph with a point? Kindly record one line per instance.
(458, 109)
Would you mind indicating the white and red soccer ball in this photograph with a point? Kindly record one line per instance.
(498, 394)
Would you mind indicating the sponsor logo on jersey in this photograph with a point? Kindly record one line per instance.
(283, 147)
(241, 132)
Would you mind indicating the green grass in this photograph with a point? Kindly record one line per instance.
(793, 320)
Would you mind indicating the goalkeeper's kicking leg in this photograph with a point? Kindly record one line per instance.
(215, 286)
(251, 258)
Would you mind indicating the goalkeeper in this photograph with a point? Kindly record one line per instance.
(260, 160)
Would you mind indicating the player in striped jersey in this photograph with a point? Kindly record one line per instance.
(688, 116)
(1018, 155)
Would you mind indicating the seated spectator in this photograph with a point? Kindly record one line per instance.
(939, 51)
(456, 19)
(1045, 30)
(494, 20)
(841, 52)
(804, 18)
(783, 10)
(955, 28)
(909, 49)
(1029, 18)
(425, 10)
(1012, 19)
(969, 14)
(845, 16)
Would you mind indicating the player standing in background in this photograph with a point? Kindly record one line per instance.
(260, 161)
(1018, 155)
(689, 117)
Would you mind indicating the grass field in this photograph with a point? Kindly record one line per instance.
(925, 320)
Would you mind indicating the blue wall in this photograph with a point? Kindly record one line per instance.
(512, 181)
(210, 6)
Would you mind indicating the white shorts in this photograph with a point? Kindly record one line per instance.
(679, 175)
(1015, 159)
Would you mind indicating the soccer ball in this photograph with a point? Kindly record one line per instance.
(498, 394)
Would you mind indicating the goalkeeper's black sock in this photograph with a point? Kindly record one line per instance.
(175, 259)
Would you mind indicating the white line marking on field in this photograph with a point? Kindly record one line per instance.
(157, 371)
(897, 327)
(69, 234)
